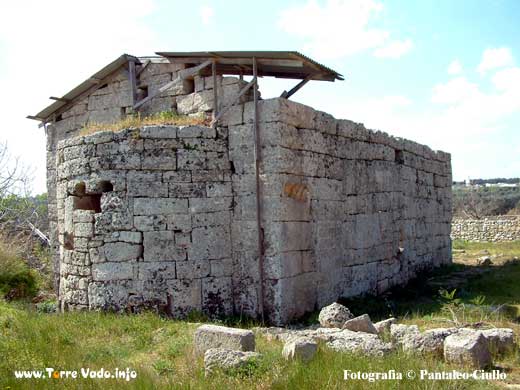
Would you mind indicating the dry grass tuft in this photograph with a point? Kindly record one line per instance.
(161, 118)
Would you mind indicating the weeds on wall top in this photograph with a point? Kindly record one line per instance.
(138, 120)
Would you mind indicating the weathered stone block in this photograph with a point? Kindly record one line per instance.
(157, 270)
(160, 246)
(468, 347)
(158, 132)
(193, 269)
(302, 348)
(214, 336)
(159, 206)
(113, 271)
(207, 205)
(210, 243)
(186, 296)
(120, 251)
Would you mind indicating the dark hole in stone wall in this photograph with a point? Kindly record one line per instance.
(105, 186)
(84, 201)
(88, 202)
(399, 157)
(142, 92)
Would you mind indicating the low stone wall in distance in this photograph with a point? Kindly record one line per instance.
(488, 229)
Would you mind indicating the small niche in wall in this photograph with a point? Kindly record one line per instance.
(142, 92)
(399, 158)
(105, 186)
(84, 201)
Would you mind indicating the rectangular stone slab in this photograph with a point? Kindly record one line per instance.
(215, 336)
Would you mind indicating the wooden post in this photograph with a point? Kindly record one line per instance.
(215, 92)
(133, 80)
(287, 95)
(258, 159)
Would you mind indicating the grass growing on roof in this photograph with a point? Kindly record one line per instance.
(161, 118)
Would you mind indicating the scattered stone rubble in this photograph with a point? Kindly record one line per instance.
(228, 348)
(334, 316)
(467, 347)
(214, 336)
(360, 324)
(303, 348)
(227, 359)
(384, 325)
(457, 345)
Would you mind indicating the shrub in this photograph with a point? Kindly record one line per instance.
(16, 279)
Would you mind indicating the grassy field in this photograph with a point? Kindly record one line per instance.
(160, 350)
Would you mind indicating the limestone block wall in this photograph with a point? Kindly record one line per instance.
(346, 210)
(166, 216)
(113, 101)
(144, 219)
(488, 229)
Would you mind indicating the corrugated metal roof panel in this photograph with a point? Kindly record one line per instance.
(309, 65)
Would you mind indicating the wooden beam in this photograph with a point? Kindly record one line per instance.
(132, 80)
(295, 89)
(191, 72)
(239, 61)
(215, 91)
(142, 68)
(258, 160)
(59, 99)
(183, 74)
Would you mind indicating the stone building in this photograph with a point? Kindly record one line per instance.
(275, 209)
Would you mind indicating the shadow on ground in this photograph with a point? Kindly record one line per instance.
(496, 286)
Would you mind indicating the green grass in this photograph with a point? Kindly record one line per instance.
(160, 350)
(133, 121)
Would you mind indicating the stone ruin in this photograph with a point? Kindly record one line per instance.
(166, 216)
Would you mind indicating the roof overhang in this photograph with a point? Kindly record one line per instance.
(279, 64)
(89, 85)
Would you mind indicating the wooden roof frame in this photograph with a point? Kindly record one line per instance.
(279, 64)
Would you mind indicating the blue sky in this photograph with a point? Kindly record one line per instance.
(444, 73)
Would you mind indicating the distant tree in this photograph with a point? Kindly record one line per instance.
(14, 176)
(18, 209)
(471, 202)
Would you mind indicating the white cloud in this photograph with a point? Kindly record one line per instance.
(66, 42)
(207, 14)
(338, 28)
(495, 58)
(455, 67)
(507, 80)
(394, 49)
(454, 91)
(465, 119)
